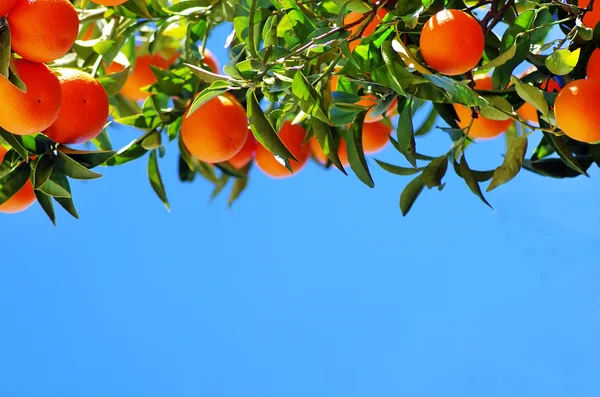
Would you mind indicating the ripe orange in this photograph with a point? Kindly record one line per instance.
(22, 199)
(293, 137)
(6, 6)
(452, 42)
(482, 128)
(576, 109)
(84, 109)
(591, 18)
(216, 131)
(244, 156)
(109, 2)
(211, 61)
(320, 155)
(375, 136)
(34, 111)
(593, 65)
(43, 30)
(352, 17)
(371, 100)
(141, 75)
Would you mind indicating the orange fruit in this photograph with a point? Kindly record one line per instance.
(375, 136)
(244, 156)
(293, 138)
(593, 65)
(43, 30)
(371, 100)
(217, 131)
(6, 6)
(84, 109)
(576, 110)
(22, 199)
(29, 113)
(320, 155)
(482, 128)
(109, 2)
(141, 76)
(591, 18)
(88, 33)
(352, 17)
(211, 61)
(452, 42)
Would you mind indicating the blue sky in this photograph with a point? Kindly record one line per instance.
(313, 285)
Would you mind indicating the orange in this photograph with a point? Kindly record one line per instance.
(29, 113)
(369, 29)
(109, 2)
(141, 75)
(375, 136)
(452, 42)
(88, 33)
(211, 61)
(320, 155)
(576, 110)
(43, 30)
(593, 65)
(293, 138)
(591, 18)
(217, 131)
(482, 127)
(370, 101)
(6, 6)
(22, 199)
(244, 156)
(84, 109)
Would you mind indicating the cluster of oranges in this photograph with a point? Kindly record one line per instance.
(67, 105)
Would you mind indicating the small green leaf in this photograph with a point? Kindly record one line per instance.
(11, 183)
(497, 109)
(44, 165)
(307, 98)
(72, 168)
(405, 135)
(410, 194)
(217, 88)
(354, 149)
(428, 123)
(68, 205)
(57, 185)
(471, 181)
(397, 170)
(323, 134)
(207, 76)
(156, 180)
(435, 171)
(532, 95)
(562, 62)
(45, 202)
(113, 83)
(511, 165)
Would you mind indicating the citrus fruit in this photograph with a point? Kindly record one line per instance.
(482, 127)
(375, 136)
(6, 6)
(591, 18)
(320, 155)
(211, 61)
(141, 76)
(576, 110)
(28, 113)
(452, 42)
(217, 130)
(43, 30)
(244, 156)
(593, 65)
(84, 109)
(293, 137)
(353, 17)
(22, 199)
(109, 2)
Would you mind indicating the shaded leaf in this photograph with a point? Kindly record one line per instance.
(156, 180)
(471, 181)
(11, 183)
(410, 194)
(45, 202)
(72, 168)
(356, 155)
(511, 165)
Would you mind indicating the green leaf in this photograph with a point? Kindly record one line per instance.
(532, 95)
(356, 155)
(556, 168)
(11, 183)
(239, 185)
(223, 180)
(559, 144)
(11, 160)
(500, 59)
(307, 98)
(396, 170)
(156, 180)
(68, 205)
(427, 124)
(405, 135)
(102, 141)
(562, 62)
(13, 77)
(4, 48)
(263, 130)
(45, 202)
(448, 113)
(354, 5)
(44, 165)
(323, 134)
(113, 83)
(132, 151)
(87, 158)
(209, 77)
(544, 149)
(435, 171)
(57, 185)
(410, 194)
(217, 88)
(511, 165)
(467, 174)
(15, 143)
(72, 168)
(497, 109)
(456, 91)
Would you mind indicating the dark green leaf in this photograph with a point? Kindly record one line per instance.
(45, 202)
(448, 113)
(471, 180)
(544, 149)
(57, 185)
(68, 205)
(356, 155)
(394, 169)
(88, 159)
(238, 187)
(156, 180)
(406, 136)
(559, 144)
(217, 88)
(11, 183)
(324, 136)
(15, 143)
(307, 98)
(72, 168)
(511, 165)
(410, 194)
(4, 48)
(44, 165)
(428, 123)
(434, 172)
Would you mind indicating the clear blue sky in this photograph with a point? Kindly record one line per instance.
(310, 286)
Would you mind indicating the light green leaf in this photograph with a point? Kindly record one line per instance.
(532, 95)
(563, 61)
